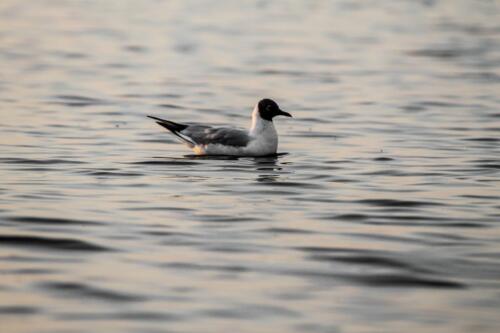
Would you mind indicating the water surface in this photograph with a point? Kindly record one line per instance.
(381, 214)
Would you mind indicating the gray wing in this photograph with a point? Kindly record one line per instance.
(217, 135)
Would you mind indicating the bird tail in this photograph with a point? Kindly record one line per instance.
(175, 128)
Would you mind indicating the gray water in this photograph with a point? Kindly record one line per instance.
(380, 214)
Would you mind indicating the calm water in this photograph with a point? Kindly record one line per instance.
(381, 215)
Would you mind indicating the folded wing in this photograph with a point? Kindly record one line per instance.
(203, 135)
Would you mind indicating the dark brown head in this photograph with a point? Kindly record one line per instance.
(268, 109)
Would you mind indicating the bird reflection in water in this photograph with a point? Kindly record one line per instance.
(268, 168)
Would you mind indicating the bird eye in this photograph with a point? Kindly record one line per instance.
(268, 108)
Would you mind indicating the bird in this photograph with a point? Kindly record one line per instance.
(260, 140)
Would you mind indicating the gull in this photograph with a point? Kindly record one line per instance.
(260, 140)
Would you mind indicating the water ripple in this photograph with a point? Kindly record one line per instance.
(50, 220)
(15, 160)
(403, 281)
(50, 243)
(77, 101)
(18, 310)
(73, 289)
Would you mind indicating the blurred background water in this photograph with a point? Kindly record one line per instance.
(382, 215)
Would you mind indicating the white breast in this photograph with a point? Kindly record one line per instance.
(265, 142)
(265, 137)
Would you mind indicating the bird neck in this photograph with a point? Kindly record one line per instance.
(260, 125)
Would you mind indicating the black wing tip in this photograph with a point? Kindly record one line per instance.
(170, 125)
(155, 118)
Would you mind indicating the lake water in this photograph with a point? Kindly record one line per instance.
(381, 214)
